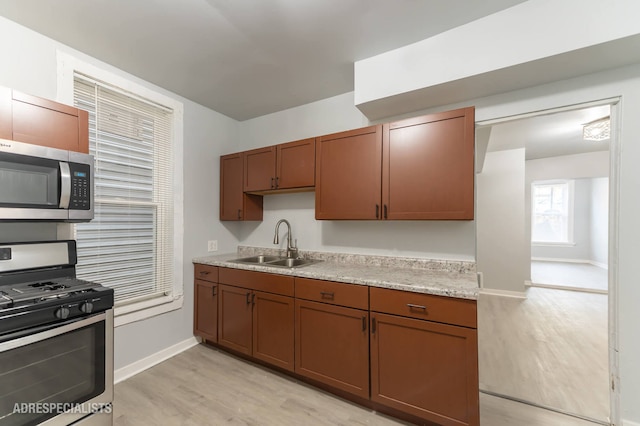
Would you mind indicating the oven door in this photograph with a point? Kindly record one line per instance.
(58, 375)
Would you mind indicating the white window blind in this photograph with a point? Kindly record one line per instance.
(129, 244)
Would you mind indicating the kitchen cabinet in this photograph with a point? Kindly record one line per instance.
(38, 121)
(427, 168)
(287, 166)
(205, 318)
(349, 174)
(332, 337)
(424, 356)
(419, 168)
(254, 322)
(235, 205)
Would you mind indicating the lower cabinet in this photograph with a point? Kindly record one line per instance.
(258, 324)
(413, 354)
(424, 368)
(206, 310)
(332, 346)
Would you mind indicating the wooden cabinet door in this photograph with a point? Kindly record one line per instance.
(428, 167)
(332, 346)
(43, 122)
(348, 174)
(260, 169)
(234, 318)
(234, 203)
(273, 319)
(296, 164)
(205, 317)
(425, 368)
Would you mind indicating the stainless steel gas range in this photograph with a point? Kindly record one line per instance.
(56, 339)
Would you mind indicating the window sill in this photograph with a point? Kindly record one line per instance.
(141, 311)
(552, 244)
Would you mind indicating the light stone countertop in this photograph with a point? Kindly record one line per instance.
(442, 278)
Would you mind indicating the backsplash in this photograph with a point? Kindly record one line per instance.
(373, 260)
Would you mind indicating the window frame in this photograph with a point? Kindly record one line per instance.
(570, 212)
(67, 66)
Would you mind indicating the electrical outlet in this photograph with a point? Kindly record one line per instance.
(212, 245)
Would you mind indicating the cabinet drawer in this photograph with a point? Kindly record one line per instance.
(261, 281)
(424, 306)
(206, 272)
(349, 295)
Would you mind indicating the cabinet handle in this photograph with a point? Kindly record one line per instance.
(373, 325)
(253, 299)
(326, 295)
(412, 306)
(213, 293)
(364, 323)
(277, 181)
(248, 298)
(239, 214)
(272, 183)
(204, 272)
(385, 211)
(377, 211)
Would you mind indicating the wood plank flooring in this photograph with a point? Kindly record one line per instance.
(571, 275)
(550, 349)
(204, 386)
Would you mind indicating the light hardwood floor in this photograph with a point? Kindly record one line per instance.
(571, 275)
(204, 386)
(550, 349)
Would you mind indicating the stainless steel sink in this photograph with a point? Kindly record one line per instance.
(258, 259)
(275, 261)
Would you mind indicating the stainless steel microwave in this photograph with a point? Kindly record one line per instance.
(44, 184)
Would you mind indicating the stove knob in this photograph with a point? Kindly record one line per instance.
(62, 313)
(86, 307)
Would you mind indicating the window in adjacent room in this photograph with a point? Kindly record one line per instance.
(552, 212)
(129, 244)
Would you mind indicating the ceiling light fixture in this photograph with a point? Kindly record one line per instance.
(597, 130)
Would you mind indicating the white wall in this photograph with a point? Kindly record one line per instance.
(31, 67)
(599, 221)
(501, 244)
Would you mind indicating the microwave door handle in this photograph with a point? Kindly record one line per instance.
(65, 185)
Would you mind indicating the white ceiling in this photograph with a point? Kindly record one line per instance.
(550, 135)
(244, 58)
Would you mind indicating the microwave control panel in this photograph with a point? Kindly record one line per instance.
(80, 186)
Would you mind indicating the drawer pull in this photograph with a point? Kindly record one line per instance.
(412, 306)
(204, 272)
(326, 295)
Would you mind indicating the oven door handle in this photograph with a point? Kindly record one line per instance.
(52, 332)
(65, 185)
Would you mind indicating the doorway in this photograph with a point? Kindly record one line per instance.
(542, 250)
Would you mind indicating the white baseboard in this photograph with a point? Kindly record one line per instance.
(629, 423)
(599, 264)
(504, 293)
(139, 366)
(557, 259)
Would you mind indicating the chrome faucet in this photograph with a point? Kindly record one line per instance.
(292, 251)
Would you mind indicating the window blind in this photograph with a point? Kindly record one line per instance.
(128, 244)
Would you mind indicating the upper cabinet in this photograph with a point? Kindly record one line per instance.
(420, 168)
(427, 167)
(29, 119)
(348, 174)
(287, 166)
(234, 203)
